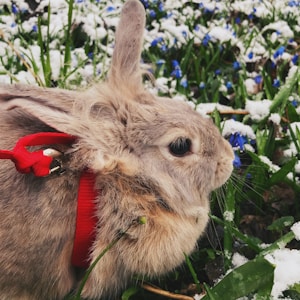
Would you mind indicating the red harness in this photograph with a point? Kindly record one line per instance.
(39, 163)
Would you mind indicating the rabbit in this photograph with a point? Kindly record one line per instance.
(153, 158)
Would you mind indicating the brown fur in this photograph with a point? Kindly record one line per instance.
(123, 136)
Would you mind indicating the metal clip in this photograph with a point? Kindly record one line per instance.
(56, 165)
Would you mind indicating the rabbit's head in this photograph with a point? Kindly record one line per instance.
(153, 156)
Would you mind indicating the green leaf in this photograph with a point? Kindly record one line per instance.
(292, 113)
(255, 275)
(129, 292)
(285, 91)
(296, 287)
(193, 273)
(280, 175)
(281, 223)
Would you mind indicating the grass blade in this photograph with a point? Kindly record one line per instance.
(254, 275)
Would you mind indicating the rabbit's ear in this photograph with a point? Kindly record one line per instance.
(52, 106)
(128, 45)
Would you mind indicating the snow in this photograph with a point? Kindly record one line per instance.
(258, 110)
(231, 126)
(274, 168)
(281, 26)
(296, 230)
(287, 270)
(221, 35)
(251, 86)
(228, 216)
(275, 118)
(205, 108)
(238, 260)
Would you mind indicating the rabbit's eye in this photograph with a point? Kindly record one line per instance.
(180, 147)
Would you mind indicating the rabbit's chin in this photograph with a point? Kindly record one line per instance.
(149, 249)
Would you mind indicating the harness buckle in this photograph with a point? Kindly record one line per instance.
(56, 164)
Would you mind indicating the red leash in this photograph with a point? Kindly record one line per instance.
(39, 163)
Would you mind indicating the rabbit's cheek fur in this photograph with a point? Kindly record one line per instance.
(224, 165)
(149, 249)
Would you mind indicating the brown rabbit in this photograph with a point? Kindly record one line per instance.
(151, 157)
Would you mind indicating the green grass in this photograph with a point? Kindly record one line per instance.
(260, 202)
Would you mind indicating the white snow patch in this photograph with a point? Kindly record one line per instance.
(258, 110)
(251, 86)
(205, 108)
(287, 271)
(275, 118)
(231, 126)
(238, 260)
(228, 216)
(221, 35)
(274, 168)
(280, 26)
(296, 230)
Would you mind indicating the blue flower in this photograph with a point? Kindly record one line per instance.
(145, 3)
(236, 65)
(14, 9)
(110, 8)
(202, 85)
(160, 62)
(184, 82)
(237, 140)
(294, 103)
(279, 52)
(161, 7)
(34, 28)
(238, 20)
(295, 59)
(156, 41)
(184, 33)
(250, 55)
(208, 11)
(206, 39)
(258, 79)
(175, 63)
(152, 13)
(197, 27)
(273, 65)
(218, 72)
(293, 3)
(228, 85)
(177, 73)
(276, 83)
(249, 176)
(236, 161)
(164, 48)
(169, 15)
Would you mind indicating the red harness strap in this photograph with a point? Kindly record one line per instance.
(86, 221)
(39, 163)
